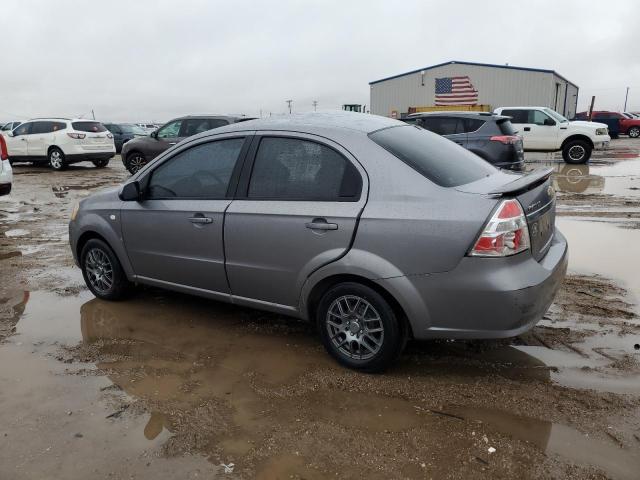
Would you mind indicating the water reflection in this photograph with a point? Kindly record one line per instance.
(577, 179)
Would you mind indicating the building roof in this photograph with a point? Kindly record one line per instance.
(492, 65)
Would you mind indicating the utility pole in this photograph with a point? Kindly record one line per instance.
(289, 102)
(625, 100)
(593, 100)
(315, 104)
(94, 115)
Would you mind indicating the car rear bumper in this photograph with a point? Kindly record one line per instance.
(482, 297)
(88, 157)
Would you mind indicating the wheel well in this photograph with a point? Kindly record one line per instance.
(134, 152)
(84, 238)
(51, 147)
(577, 137)
(324, 285)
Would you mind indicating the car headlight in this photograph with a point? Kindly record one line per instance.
(601, 131)
(74, 211)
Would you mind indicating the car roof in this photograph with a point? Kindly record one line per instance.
(530, 107)
(227, 117)
(312, 122)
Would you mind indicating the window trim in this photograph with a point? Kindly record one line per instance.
(233, 180)
(242, 191)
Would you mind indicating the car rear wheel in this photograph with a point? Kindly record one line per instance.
(634, 132)
(359, 328)
(56, 159)
(101, 163)
(576, 151)
(102, 271)
(135, 161)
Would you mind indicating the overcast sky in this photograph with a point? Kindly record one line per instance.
(138, 60)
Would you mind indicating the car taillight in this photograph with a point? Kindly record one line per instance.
(506, 139)
(4, 154)
(506, 233)
(77, 136)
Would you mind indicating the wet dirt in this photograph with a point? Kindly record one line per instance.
(170, 386)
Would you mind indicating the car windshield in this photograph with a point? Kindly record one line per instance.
(556, 115)
(134, 129)
(437, 158)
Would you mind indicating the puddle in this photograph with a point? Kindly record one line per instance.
(555, 439)
(621, 178)
(4, 256)
(16, 232)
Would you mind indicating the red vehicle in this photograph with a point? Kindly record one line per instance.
(618, 124)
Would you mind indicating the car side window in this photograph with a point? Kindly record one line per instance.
(202, 171)
(193, 126)
(57, 126)
(170, 130)
(517, 116)
(472, 124)
(537, 117)
(24, 129)
(296, 169)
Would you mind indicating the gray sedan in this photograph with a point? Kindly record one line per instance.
(375, 230)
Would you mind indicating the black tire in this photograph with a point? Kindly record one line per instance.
(56, 159)
(101, 163)
(344, 337)
(576, 151)
(634, 132)
(135, 161)
(95, 253)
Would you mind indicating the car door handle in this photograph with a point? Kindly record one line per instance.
(527, 129)
(200, 219)
(172, 143)
(321, 224)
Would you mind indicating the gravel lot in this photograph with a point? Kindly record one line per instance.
(170, 386)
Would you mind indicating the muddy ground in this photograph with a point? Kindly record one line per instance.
(170, 386)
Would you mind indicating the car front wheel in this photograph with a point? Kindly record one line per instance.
(634, 132)
(101, 163)
(359, 328)
(102, 271)
(135, 161)
(576, 151)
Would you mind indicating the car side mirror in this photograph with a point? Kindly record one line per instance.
(154, 134)
(130, 192)
(549, 122)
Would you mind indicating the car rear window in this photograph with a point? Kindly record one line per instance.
(440, 160)
(506, 127)
(88, 127)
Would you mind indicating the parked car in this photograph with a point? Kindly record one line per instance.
(491, 137)
(140, 151)
(618, 123)
(123, 132)
(7, 127)
(61, 142)
(373, 229)
(545, 130)
(6, 174)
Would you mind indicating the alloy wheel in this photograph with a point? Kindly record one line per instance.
(634, 132)
(355, 327)
(99, 270)
(136, 162)
(55, 159)
(577, 152)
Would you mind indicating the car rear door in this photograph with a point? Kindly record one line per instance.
(173, 236)
(295, 211)
(166, 137)
(40, 139)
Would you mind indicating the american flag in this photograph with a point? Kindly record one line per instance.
(455, 91)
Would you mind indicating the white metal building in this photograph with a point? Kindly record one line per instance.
(465, 83)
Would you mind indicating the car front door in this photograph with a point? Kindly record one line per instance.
(166, 137)
(295, 211)
(173, 235)
(18, 142)
(530, 125)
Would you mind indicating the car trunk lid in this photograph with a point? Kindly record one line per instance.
(535, 194)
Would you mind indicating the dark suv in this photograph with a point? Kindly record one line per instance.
(491, 137)
(138, 152)
(123, 132)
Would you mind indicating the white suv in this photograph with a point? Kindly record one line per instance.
(545, 130)
(61, 142)
(6, 175)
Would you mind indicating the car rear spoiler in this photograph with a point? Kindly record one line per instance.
(523, 183)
